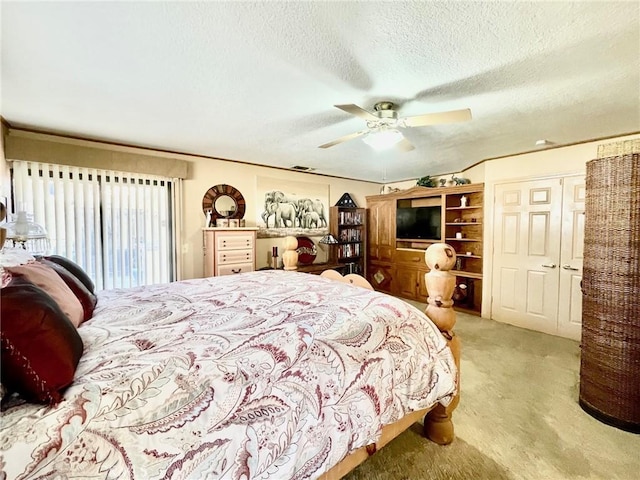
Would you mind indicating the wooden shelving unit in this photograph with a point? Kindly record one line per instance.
(349, 226)
(463, 216)
(397, 265)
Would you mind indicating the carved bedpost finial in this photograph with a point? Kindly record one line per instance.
(440, 258)
(290, 256)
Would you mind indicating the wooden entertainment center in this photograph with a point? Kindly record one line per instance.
(396, 265)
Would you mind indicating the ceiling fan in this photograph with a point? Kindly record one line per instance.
(383, 126)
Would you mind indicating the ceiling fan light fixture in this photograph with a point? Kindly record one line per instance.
(383, 139)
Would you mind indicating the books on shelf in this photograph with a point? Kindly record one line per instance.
(349, 250)
(350, 235)
(349, 218)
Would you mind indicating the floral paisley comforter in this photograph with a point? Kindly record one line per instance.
(264, 375)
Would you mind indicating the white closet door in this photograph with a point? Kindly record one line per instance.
(571, 252)
(526, 254)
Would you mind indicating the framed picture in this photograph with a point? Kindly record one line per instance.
(292, 208)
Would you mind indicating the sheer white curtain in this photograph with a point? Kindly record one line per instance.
(118, 226)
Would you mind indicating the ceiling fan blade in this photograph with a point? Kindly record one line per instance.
(405, 145)
(436, 118)
(357, 111)
(346, 138)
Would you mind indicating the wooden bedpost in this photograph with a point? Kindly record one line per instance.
(290, 256)
(440, 258)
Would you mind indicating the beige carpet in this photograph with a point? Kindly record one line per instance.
(518, 418)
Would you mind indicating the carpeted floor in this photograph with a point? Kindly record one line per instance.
(518, 418)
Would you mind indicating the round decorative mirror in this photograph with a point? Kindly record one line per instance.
(225, 206)
(223, 201)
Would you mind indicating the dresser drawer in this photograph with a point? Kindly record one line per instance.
(234, 241)
(410, 256)
(234, 256)
(232, 269)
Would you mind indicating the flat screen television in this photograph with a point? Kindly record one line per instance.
(418, 223)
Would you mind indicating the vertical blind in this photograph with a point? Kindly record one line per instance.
(119, 227)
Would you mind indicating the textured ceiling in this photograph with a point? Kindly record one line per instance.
(257, 82)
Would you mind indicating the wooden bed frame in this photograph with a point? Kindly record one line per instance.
(438, 426)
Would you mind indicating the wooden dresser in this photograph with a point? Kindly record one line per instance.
(229, 250)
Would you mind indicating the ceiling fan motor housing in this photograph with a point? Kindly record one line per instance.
(388, 117)
(382, 106)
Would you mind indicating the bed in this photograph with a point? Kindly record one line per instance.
(263, 375)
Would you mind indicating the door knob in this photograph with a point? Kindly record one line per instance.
(549, 265)
(566, 266)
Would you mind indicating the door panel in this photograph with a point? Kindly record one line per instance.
(510, 233)
(571, 257)
(508, 278)
(423, 293)
(372, 233)
(538, 234)
(381, 277)
(535, 292)
(526, 252)
(406, 282)
(381, 230)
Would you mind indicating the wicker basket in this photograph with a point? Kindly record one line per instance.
(610, 359)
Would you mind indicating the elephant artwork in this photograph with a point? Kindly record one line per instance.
(311, 220)
(285, 215)
(314, 211)
(268, 212)
(288, 214)
(273, 202)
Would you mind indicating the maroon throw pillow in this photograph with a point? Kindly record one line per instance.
(48, 280)
(40, 346)
(75, 269)
(87, 299)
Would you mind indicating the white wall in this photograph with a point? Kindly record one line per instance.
(208, 172)
(549, 163)
(203, 173)
(552, 162)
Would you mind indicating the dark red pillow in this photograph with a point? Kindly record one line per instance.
(40, 346)
(75, 269)
(87, 299)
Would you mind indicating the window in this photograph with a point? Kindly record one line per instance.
(118, 226)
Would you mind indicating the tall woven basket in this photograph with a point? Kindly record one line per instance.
(610, 358)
